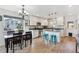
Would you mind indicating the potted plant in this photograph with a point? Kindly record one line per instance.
(19, 27)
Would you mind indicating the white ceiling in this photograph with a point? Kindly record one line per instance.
(43, 10)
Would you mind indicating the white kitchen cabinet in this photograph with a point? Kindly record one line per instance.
(35, 20)
(35, 33)
(44, 22)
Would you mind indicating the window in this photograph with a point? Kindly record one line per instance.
(12, 24)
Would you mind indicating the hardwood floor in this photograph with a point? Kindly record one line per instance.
(67, 45)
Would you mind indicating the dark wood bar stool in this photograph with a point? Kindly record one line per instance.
(27, 37)
(70, 34)
(17, 39)
(7, 43)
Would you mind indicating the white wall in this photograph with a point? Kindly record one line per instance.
(1, 33)
(25, 27)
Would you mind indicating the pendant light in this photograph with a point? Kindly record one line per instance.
(23, 12)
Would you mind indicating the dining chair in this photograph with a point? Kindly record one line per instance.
(28, 36)
(7, 44)
(17, 39)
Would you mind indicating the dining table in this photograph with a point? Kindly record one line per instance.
(8, 38)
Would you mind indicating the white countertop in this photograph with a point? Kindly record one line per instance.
(8, 36)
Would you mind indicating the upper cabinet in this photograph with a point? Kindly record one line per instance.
(60, 21)
(36, 20)
(33, 20)
(44, 22)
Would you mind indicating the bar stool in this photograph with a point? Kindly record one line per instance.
(46, 38)
(70, 34)
(17, 39)
(53, 39)
(27, 37)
